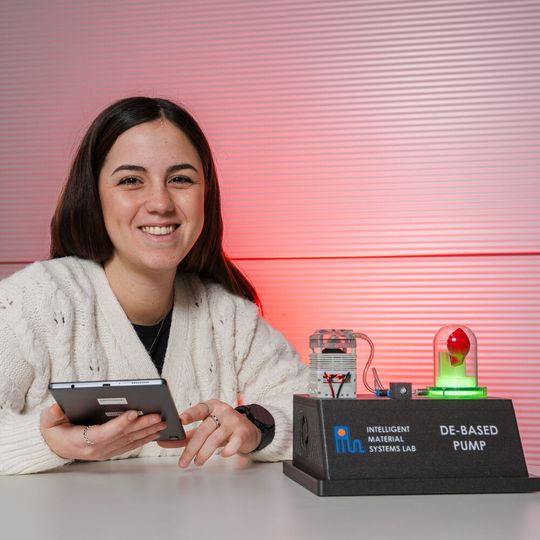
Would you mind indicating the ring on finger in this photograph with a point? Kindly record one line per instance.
(85, 435)
(215, 419)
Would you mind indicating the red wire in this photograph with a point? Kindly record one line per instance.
(329, 379)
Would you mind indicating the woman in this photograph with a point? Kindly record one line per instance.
(138, 286)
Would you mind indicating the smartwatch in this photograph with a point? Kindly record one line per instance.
(262, 419)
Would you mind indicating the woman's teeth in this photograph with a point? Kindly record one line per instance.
(159, 230)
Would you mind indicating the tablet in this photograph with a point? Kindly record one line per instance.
(95, 402)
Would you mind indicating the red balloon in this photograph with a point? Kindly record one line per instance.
(458, 346)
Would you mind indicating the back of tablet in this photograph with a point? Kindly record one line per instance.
(95, 402)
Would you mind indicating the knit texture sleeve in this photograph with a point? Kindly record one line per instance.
(22, 447)
(270, 373)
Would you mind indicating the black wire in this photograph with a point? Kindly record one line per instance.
(378, 384)
(344, 379)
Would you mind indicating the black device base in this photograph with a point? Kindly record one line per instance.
(409, 486)
(382, 446)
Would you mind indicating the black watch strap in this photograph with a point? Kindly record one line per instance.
(262, 419)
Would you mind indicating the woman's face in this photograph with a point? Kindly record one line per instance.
(151, 188)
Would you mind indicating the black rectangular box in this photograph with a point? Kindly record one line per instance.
(418, 442)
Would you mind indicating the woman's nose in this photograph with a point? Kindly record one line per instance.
(159, 200)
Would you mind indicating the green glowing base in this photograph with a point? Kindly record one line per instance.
(447, 392)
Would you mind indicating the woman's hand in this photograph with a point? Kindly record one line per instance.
(235, 433)
(122, 434)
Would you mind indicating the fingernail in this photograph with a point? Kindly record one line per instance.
(132, 415)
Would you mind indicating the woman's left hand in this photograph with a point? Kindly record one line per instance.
(235, 433)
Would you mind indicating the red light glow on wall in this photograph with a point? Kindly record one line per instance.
(379, 161)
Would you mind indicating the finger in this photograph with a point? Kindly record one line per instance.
(177, 444)
(232, 447)
(196, 413)
(146, 431)
(172, 444)
(114, 429)
(207, 450)
(53, 416)
(111, 430)
(198, 438)
(131, 446)
(144, 422)
(57, 412)
(133, 437)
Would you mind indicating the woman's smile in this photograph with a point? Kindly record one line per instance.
(160, 233)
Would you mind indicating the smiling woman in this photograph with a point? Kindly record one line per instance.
(78, 227)
(152, 214)
(138, 286)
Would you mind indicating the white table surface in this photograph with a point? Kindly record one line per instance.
(232, 498)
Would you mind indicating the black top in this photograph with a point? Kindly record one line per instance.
(155, 344)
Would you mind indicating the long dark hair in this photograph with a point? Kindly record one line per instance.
(78, 228)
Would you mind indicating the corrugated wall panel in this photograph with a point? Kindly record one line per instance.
(350, 135)
(401, 303)
(384, 127)
(8, 269)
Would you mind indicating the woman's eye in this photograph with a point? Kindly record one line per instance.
(129, 181)
(181, 180)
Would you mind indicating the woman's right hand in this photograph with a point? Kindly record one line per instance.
(117, 436)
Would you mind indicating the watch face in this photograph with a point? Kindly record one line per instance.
(261, 415)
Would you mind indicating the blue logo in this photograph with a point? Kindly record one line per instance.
(344, 444)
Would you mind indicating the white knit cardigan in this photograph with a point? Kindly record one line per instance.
(60, 321)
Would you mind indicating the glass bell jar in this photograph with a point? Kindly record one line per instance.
(456, 364)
